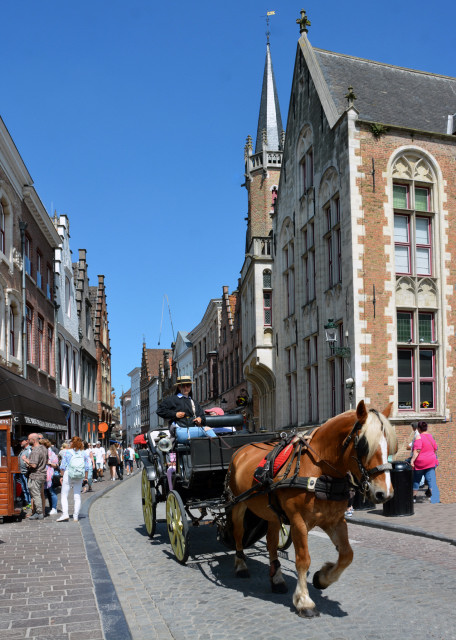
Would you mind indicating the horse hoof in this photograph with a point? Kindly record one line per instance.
(316, 581)
(279, 588)
(309, 613)
(243, 574)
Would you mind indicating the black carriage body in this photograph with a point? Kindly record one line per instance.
(198, 484)
(202, 464)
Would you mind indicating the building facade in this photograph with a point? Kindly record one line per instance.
(205, 340)
(88, 350)
(27, 312)
(231, 384)
(364, 237)
(68, 350)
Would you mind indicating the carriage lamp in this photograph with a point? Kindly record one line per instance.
(331, 332)
(349, 383)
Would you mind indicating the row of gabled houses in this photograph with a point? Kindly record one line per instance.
(347, 290)
(55, 357)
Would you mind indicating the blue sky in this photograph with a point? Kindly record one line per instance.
(132, 117)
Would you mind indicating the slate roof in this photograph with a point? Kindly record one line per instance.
(388, 94)
(269, 118)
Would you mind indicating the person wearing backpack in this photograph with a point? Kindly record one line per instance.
(75, 468)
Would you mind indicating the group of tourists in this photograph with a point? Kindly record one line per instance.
(44, 469)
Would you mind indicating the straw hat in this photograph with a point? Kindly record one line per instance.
(183, 380)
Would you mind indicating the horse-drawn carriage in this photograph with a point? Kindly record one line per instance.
(197, 485)
(305, 484)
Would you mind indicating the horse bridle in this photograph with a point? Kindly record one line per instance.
(360, 446)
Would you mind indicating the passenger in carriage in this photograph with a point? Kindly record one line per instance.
(186, 418)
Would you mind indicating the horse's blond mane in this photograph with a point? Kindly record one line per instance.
(373, 432)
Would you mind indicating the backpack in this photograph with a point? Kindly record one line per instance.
(76, 467)
(127, 454)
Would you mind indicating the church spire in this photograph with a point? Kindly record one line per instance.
(269, 132)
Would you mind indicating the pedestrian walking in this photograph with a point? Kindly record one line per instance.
(120, 466)
(52, 467)
(74, 467)
(129, 456)
(36, 464)
(424, 462)
(88, 485)
(100, 460)
(113, 461)
(21, 477)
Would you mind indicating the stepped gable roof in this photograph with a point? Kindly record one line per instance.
(388, 94)
(269, 119)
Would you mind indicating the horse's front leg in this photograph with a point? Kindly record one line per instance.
(275, 572)
(302, 601)
(237, 515)
(330, 572)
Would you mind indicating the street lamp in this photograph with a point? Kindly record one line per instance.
(331, 337)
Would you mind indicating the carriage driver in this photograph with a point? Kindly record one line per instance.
(185, 416)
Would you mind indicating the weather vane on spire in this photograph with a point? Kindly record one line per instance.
(268, 13)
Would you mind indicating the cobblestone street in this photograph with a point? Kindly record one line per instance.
(395, 583)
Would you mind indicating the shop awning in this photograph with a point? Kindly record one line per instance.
(30, 405)
(141, 439)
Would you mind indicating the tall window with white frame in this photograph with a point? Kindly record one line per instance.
(267, 298)
(414, 202)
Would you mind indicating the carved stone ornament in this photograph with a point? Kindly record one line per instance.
(17, 258)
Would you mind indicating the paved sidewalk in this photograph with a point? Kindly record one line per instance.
(435, 521)
(53, 580)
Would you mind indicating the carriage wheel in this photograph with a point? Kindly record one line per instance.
(149, 504)
(284, 537)
(177, 522)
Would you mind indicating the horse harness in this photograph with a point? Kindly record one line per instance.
(325, 487)
(361, 448)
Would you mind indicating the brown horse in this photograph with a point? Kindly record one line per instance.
(356, 443)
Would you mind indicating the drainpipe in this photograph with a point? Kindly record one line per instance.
(23, 227)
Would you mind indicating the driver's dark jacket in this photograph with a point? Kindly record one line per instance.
(173, 404)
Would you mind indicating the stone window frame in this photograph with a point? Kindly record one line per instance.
(418, 294)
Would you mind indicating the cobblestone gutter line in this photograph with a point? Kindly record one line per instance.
(114, 623)
(142, 615)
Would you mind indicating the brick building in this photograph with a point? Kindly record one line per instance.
(150, 366)
(365, 242)
(99, 311)
(231, 382)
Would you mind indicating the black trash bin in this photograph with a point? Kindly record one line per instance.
(401, 504)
